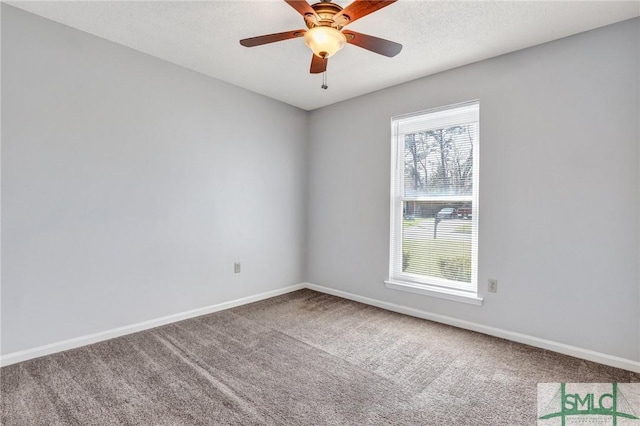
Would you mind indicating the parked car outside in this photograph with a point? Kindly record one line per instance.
(447, 213)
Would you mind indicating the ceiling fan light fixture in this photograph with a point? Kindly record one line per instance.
(324, 41)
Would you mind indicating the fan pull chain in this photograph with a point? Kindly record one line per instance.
(324, 80)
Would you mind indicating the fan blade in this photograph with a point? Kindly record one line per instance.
(270, 38)
(301, 6)
(374, 44)
(360, 8)
(318, 64)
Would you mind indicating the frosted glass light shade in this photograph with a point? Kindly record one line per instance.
(324, 41)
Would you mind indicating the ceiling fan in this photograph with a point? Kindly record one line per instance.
(325, 35)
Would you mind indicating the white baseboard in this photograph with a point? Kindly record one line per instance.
(76, 342)
(573, 351)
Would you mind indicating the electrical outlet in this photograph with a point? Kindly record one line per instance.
(493, 286)
(236, 267)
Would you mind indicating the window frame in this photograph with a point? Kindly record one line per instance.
(422, 284)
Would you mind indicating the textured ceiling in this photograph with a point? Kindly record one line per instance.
(436, 35)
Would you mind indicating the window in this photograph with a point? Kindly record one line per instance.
(434, 202)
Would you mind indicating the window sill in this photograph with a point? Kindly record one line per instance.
(442, 293)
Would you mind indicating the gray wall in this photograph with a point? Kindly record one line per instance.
(130, 186)
(559, 194)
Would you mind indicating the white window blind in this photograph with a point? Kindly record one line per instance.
(434, 197)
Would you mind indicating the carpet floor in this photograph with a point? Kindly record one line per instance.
(304, 358)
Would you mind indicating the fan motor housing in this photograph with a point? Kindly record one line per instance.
(325, 11)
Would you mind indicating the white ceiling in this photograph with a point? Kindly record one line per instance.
(436, 35)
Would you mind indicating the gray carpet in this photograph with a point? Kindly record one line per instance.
(299, 359)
